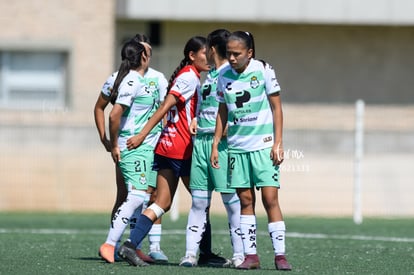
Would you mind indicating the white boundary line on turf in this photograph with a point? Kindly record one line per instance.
(218, 232)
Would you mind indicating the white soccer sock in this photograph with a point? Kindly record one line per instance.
(154, 237)
(134, 217)
(122, 216)
(277, 234)
(146, 201)
(232, 205)
(197, 219)
(248, 229)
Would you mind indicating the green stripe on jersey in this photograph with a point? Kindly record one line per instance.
(251, 130)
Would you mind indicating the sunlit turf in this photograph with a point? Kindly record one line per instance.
(67, 243)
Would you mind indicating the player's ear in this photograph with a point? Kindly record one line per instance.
(191, 55)
(250, 53)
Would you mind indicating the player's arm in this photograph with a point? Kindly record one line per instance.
(277, 153)
(114, 122)
(99, 114)
(221, 124)
(135, 141)
(193, 123)
(193, 126)
(163, 92)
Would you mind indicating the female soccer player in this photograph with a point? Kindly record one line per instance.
(173, 152)
(250, 105)
(204, 179)
(156, 84)
(132, 107)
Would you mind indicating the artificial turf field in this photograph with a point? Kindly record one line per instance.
(67, 243)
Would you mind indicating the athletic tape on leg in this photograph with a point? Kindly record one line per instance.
(157, 210)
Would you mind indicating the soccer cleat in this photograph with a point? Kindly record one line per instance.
(237, 260)
(281, 263)
(144, 257)
(213, 260)
(158, 256)
(107, 252)
(128, 253)
(188, 261)
(116, 256)
(250, 262)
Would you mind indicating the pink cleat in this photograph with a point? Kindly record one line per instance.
(281, 263)
(250, 262)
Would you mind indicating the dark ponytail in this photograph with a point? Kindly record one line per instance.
(131, 55)
(218, 40)
(193, 45)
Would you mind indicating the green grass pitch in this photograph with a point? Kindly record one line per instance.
(67, 243)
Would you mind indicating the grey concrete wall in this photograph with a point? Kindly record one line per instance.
(314, 63)
(66, 168)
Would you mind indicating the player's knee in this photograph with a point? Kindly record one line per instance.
(200, 200)
(230, 198)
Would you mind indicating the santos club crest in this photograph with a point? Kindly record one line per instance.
(254, 83)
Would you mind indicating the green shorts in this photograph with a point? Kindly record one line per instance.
(253, 169)
(136, 167)
(203, 176)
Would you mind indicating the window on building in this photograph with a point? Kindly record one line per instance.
(33, 80)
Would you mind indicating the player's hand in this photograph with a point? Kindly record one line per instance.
(277, 154)
(107, 144)
(134, 142)
(193, 126)
(116, 154)
(214, 158)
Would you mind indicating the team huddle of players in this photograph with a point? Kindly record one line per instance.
(222, 135)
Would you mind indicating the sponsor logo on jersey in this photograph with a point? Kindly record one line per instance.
(267, 139)
(244, 120)
(208, 113)
(124, 95)
(242, 111)
(241, 98)
(206, 91)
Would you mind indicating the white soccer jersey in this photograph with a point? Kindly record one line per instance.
(109, 84)
(155, 81)
(140, 104)
(155, 85)
(207, 104)
(250, 119)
